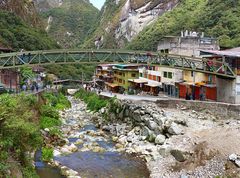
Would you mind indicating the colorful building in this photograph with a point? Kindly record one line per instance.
(197, 85)
(121, 75)
(161, 79)
(228, 90)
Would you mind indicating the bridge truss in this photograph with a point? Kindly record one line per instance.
(32, 58)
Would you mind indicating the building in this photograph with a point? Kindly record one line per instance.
(161, 79)
(121, 75)
(196, 84)
(104, 72)
(10, 79)
(188, 44)
(228, 90)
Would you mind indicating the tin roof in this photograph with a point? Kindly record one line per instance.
(235, 52)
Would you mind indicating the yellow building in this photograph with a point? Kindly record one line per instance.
(121, 74)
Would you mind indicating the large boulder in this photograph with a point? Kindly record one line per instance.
(73, 148)
(145, 131)
(160, 139)
(178, 155)
(175, 129)
(152, 125)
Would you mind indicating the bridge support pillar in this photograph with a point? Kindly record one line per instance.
(228, 90)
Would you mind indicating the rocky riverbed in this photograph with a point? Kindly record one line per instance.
(90, 152)
(134, 138)
(175, 142)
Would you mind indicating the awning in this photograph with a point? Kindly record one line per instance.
(200, 83)
(112, 85)
(138, 80)
(152, 85)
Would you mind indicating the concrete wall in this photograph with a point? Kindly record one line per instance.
(187, 46)
(226, 90)
(237, 101)
(176, 76)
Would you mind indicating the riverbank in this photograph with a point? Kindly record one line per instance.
(175, 142)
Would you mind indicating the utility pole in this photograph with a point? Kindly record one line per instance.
(94, 80)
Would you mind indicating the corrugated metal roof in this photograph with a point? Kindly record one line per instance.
(232, 52)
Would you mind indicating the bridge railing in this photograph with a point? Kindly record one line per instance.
(31, 58)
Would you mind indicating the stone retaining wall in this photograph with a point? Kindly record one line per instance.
(219, 109)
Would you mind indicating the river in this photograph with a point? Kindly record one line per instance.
(96, 156)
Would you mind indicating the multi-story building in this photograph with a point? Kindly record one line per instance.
(188, 44)
(104, 72)
(228, 90)
(122, 73)
(161, 78)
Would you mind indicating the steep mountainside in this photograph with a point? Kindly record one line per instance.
(216, 18)
(20, 27)
(68, 21)
(122, 20)
(45, 5)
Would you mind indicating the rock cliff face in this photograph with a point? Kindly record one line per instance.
(135, 17)
(122, 20)
(22, 8)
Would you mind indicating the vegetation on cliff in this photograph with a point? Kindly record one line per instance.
(17, 34)
(214, 17)
(71, 22)
(20, 130)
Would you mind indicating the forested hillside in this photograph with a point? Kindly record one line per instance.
(216, 18)
(21, 28)
(68, 22)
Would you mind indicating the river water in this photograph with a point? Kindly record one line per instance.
(91, 164)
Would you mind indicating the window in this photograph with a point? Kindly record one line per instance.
(120, 80)
(124, 82)
(141, 74)
(170, 75)
(192, 73)
(165, 74)
(133, 75)
(158, 79)
(123, 74)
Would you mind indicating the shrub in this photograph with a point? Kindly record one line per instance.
(48, 122)
(47, 154)
(48, 111)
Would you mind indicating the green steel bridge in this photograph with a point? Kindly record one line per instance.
(32, 58)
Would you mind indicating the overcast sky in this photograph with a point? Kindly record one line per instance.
(98, 3)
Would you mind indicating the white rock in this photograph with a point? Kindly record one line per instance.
(56, 153)
(71, 172)
(46, 129)
(233, 157)
(175, 129)
(160, 139)
(65, 150)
